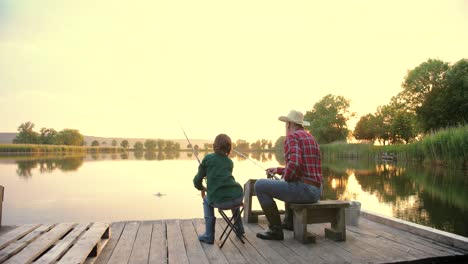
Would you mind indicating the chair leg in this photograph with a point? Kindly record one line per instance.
(231, 224)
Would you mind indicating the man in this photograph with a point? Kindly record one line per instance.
(301, 177)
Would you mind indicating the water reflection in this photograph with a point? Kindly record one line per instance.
(47, 164)
(428, 196)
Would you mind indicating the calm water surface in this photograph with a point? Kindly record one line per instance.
(149, 186)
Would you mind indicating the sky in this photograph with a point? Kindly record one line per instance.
(137, 68)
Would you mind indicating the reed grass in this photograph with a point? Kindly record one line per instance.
(446, 147)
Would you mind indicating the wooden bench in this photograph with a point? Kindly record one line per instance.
(326, 211)
(251, 216)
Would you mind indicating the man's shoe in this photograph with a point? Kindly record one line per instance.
(287, 226)
(271, 234)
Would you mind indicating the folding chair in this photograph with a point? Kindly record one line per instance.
(231, 223)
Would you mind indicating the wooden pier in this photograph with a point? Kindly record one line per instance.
(377, 239)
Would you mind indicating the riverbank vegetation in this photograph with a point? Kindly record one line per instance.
(446, 147)
(41, 148)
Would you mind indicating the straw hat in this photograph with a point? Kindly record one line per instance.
(295, 117)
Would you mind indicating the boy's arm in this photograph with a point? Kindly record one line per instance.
(198, 180)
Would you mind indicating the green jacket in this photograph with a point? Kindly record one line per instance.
(221, 185)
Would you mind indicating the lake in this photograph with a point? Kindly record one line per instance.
(149, 186)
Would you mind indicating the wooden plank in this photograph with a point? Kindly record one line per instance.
(158, 249)
(383, 245)
(106, 253)
(360, 253)
(41, 244)
(141, 248)
(401, 244)
(16, 233)
(18, 245)
(93, 239)
(246, 249)
(277, 247)
(409, 239)
(123, 249)
(194, 249)
(431, 233)
(260, 245)
(213, 253)
(415, 238)
(175, 243)
(62, 246)
(311, 252)
(230, 251)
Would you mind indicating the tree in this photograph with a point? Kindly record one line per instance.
(328, 119)
(124, 144)
(70, 137)
(402, 128)
(47, 136)
(114, 143)
(242, 145)
(279, 144)
(420, 81)
(366, 128)
(150, 144)
(256, 145)
(161, 144)
(95, 143)
(447, 106)
(138, 146)
(26, 134)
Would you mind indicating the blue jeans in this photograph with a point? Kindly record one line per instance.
(289, 192)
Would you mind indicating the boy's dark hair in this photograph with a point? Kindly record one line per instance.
(222, 144)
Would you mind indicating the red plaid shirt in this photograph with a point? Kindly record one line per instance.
(302, 155)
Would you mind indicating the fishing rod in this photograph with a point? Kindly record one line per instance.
(193, 149)
(270, 175)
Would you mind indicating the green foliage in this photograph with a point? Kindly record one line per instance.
(138, 146)
(328, 119)
(279, 144)
(47, 136)
(448, 147)
(26, 134)
(242, 145)
(447, 106)
(124, 144)
(420, 81)
(150, 144)
(114, 143)
(70, 137)
(95, 143)
(367, 128)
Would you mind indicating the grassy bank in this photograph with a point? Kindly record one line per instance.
(446, 147)
(35, 148)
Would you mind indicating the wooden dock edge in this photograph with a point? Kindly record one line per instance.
(424, 231)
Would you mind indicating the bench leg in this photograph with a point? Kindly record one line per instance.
(337, 232)
(300, 227)
(248, 193)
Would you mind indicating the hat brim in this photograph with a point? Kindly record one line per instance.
(287, 119)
